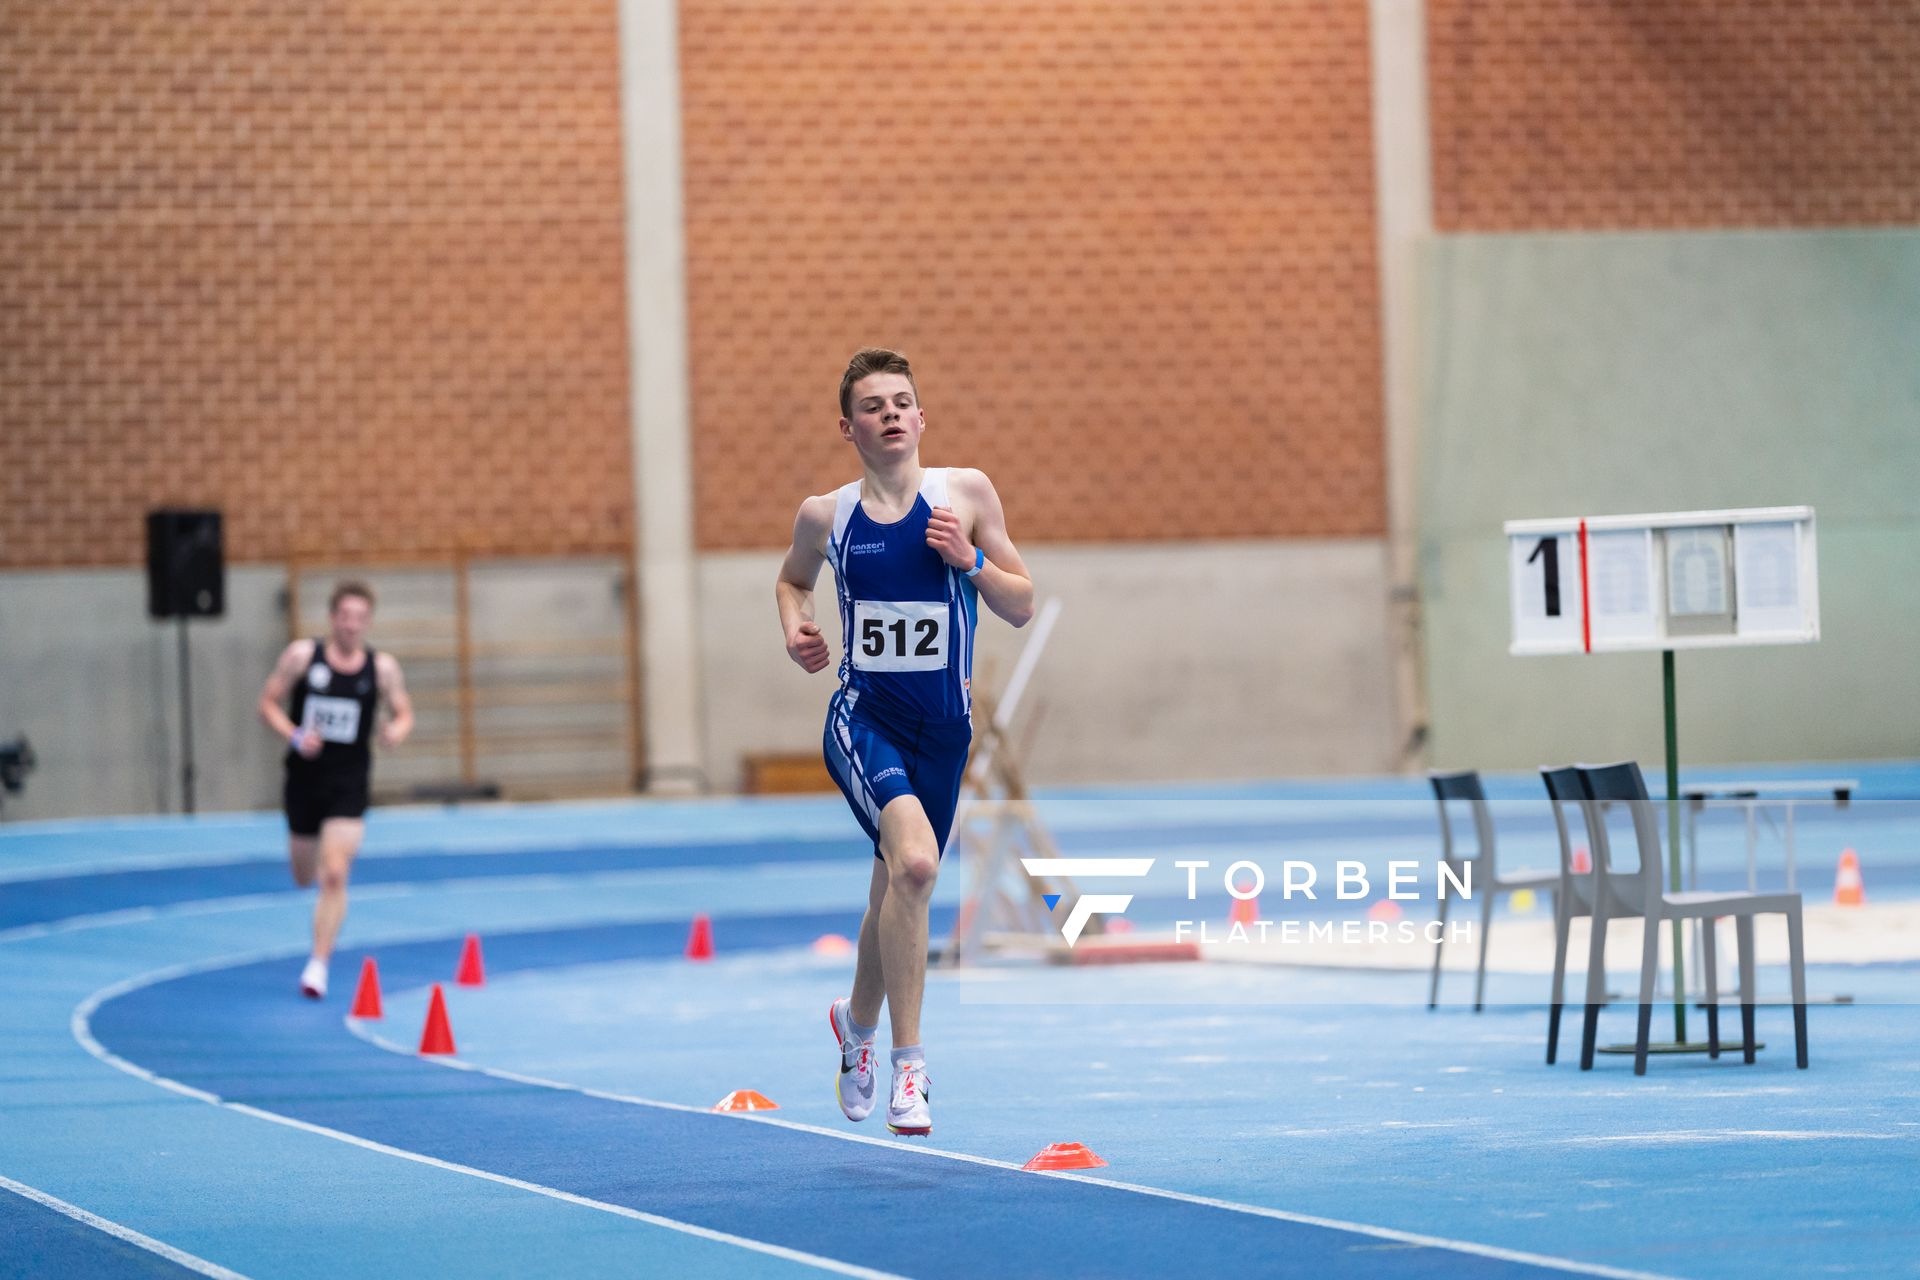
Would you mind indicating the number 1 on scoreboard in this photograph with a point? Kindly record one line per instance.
(1544, 570)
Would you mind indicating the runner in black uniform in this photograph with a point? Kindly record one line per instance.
(337, 683)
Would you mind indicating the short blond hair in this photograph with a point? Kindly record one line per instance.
(865, 363)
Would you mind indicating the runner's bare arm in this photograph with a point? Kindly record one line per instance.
(793, 589)
(273, 695)
(393, 690)
(1004, 584)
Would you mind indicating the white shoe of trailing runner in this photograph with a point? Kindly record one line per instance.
(855, 1084)
(907, 1109)
(313, 979)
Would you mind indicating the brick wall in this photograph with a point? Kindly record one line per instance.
(353, 272)
(1129, 247)
(1581, 115)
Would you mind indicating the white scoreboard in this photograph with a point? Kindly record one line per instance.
(1682, 580)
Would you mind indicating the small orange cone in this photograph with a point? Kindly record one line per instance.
(746, 1100)
(1386, 910)
(1582, 861)
(366, 996)
(832, 944)
(700, 939)
(1849, 890)
(437, 1035)
(472, 972)
(1064, 1155)
(1245, 911)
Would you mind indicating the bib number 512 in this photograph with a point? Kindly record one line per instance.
(899, 635)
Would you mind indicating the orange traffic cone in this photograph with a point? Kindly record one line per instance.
(1065, 1155)
(746, 1100)
(1245, 911)
(437, 1035)
(472, 972)
(1386, 910)
(700, 939)
(1582, 863)
(1849, 890)
(366, 996)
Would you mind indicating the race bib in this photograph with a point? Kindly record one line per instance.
(334, 719)
(899, 635)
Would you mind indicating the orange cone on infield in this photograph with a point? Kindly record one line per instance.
(1582, 861)
(1386, 910)
(746, 1100)
(1064, 1155)
(437, 1035)
(1849, 890)
(1245, 912)
(700, 939)
(366, 996)
(472, 971)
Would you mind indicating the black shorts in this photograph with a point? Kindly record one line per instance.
(314, 795)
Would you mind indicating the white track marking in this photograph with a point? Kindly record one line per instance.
(80, 1025)
(82, 1033)
(630, 878)
(1731, 1135)
(178, 1257)
(1404, 1238)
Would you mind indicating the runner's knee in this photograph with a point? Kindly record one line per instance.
(914, 866)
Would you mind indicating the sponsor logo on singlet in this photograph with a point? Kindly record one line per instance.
(319, 676)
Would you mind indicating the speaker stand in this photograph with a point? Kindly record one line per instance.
(186, 720)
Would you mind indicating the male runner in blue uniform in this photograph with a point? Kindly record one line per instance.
(911, 547)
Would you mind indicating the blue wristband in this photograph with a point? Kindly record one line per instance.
(979, 562)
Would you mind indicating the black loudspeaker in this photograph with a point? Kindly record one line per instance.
(186, 567)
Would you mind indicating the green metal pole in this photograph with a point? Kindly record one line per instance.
(1673, 848)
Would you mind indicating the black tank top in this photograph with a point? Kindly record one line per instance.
(339, 706)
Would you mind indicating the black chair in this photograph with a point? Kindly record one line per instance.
(1488, 882)
(1575, 897)
(1642, 892)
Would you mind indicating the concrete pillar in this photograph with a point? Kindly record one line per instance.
(659, 396)
(1403, 204)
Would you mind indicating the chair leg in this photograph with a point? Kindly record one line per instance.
(1562, 926)
(1596, 986)
(1797, 961)
(1486, 932)
(1649, 966)
(1710, 962)
(1743, 935)
(1439, 949)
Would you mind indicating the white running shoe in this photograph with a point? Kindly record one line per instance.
(907, 1110)
(854, 1087)
(313, 979)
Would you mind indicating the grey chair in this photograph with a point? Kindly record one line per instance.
(1489, 882)
(1642, 892)
(1575, 897)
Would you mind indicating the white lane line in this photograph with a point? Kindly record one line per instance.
(1406, 1238)
(1731, 1135)
(395, 844)
(81, 1025)
(632, 878)
(83, 1013)
(179, 1257)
